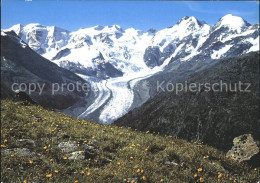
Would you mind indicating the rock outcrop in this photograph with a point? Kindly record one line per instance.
(244, 148)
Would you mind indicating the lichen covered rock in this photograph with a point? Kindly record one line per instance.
(244, 148)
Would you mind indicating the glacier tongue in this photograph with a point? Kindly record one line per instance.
(114, 96)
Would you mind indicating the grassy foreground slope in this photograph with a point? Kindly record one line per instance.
(123, 153)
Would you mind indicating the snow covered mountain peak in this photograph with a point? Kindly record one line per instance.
(37, 26)
(41, 38)
(96, 30)
(33, 25)
(98, 27)
(190, 21)
(189, 18)
(133, 50)
(187, 26)
(169, 39)
(16, 28)
(112, 29)
(117, 27)
(233, 23)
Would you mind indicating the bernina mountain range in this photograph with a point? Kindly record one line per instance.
(123, 67)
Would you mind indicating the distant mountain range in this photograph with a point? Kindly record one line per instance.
(131, 50)
(124, 66)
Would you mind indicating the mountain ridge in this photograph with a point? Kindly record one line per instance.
(86, 37)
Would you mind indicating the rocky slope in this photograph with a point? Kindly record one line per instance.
(210, 116)
(20, 64)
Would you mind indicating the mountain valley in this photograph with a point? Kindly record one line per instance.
(123, 67)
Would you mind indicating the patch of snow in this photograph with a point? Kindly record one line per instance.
(218, 53)
(232, 36)
(255, 43)
(22, 44)
(3, 33)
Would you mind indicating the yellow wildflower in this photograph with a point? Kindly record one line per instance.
(144, 178)
(48, 175)
(199, 169)
(220, 176)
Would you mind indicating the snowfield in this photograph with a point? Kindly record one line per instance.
(217, 53)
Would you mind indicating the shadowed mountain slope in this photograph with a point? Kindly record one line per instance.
(212, 117)
(20, 64)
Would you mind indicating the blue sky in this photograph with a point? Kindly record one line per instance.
(142, 15)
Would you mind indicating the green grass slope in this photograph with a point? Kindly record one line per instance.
(123, 153)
